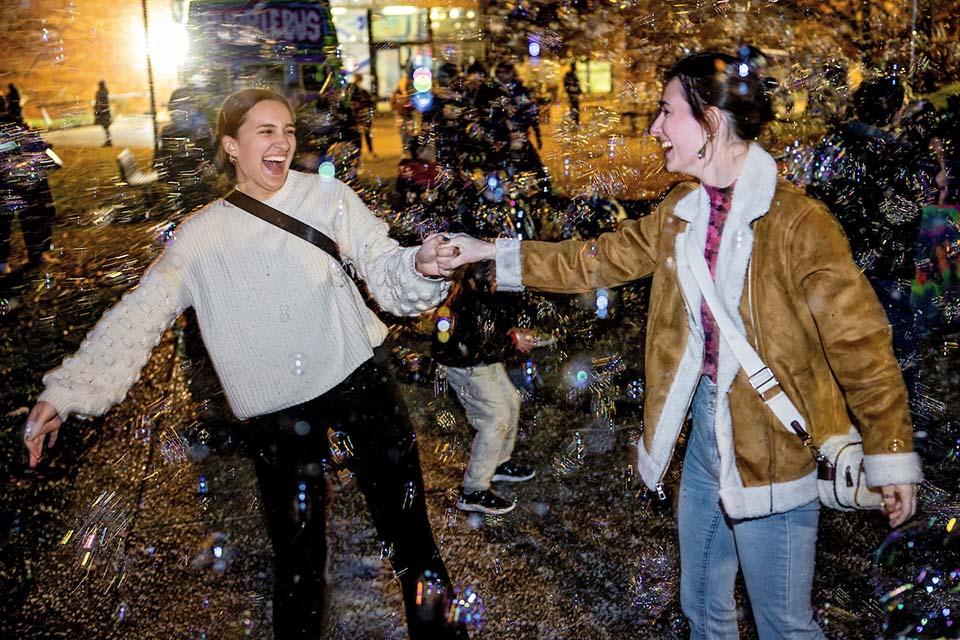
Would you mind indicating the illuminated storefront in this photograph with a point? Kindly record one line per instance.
(381, 40)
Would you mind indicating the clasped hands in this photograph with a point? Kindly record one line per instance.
(441, 253)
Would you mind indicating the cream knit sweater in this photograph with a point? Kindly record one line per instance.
(281, 320)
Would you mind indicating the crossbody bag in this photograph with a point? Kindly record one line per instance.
(841, 477)
(289, 224)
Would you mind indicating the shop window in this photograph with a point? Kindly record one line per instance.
(595, 76)
(454, 23)
(400, 23)
(351, 25)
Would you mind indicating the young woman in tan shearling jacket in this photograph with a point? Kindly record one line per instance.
(783, 271)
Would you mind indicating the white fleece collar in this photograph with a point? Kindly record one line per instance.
(751, 197)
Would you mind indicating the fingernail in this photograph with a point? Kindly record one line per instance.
(28, 430)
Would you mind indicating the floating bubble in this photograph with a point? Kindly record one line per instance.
(327, 170)
(298, 364)
(301, 427)
(466, 607)
(341, 447)
(422, 101)
(654, 582)
(409, 495)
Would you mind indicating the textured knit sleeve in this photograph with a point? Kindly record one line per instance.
(386, 267)
(111, 356)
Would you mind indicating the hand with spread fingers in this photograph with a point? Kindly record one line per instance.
(899, 502)
(42, 420)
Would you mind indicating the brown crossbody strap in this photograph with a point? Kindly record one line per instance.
(289, 224)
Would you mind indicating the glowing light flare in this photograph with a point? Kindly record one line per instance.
(422, 79)
(422, 101)
(399, 10)
(167, 44)
(533, 48)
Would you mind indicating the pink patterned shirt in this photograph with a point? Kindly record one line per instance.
(720, 200)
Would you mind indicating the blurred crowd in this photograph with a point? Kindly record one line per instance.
(887, 169)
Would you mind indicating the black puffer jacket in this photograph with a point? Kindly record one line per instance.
(480, 321)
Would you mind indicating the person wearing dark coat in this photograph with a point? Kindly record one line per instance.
(186, 144)
(571, 83)
(14, 111)
(25, 192)
(363, 106)
(101, 112)
(871, 181)
(506, 113)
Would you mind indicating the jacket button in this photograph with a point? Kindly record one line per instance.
(895, 445)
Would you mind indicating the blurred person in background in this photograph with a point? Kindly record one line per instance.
(363, 106)
(875, 183)
(14, 110)
(25, 163)
(101, 112)
(571, 83)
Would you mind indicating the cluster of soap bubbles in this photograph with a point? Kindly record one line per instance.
(916, 575)
(655, 582)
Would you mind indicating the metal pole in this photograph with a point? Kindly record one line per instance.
(913, 41)
(153, 100)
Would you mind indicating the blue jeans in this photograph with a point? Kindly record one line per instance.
(775, 553)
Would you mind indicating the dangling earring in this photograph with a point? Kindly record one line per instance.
(233, 159)
(703, 149)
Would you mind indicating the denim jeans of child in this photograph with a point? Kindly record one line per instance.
(775, 552)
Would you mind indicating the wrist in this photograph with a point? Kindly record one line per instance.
(489, 251)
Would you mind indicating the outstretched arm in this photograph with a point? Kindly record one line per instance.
(573, 266)
(400, 279)
(111, 356)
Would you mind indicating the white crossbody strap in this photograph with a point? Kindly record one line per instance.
(762, 379)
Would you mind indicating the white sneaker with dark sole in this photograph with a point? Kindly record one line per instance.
(510, 472)
(484, 502)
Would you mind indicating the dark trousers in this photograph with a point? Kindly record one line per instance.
(374, 439)
(367, 131)
(36, 222)
(575, 110)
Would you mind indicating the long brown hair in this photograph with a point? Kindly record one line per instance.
(233, 113)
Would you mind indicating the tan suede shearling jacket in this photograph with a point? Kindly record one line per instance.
(786, 276)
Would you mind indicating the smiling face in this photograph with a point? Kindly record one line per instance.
(263, 148)
(678, 132)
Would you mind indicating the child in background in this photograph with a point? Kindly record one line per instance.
(473, 336)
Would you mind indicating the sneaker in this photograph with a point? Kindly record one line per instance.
(512, 472)
(484, 502)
